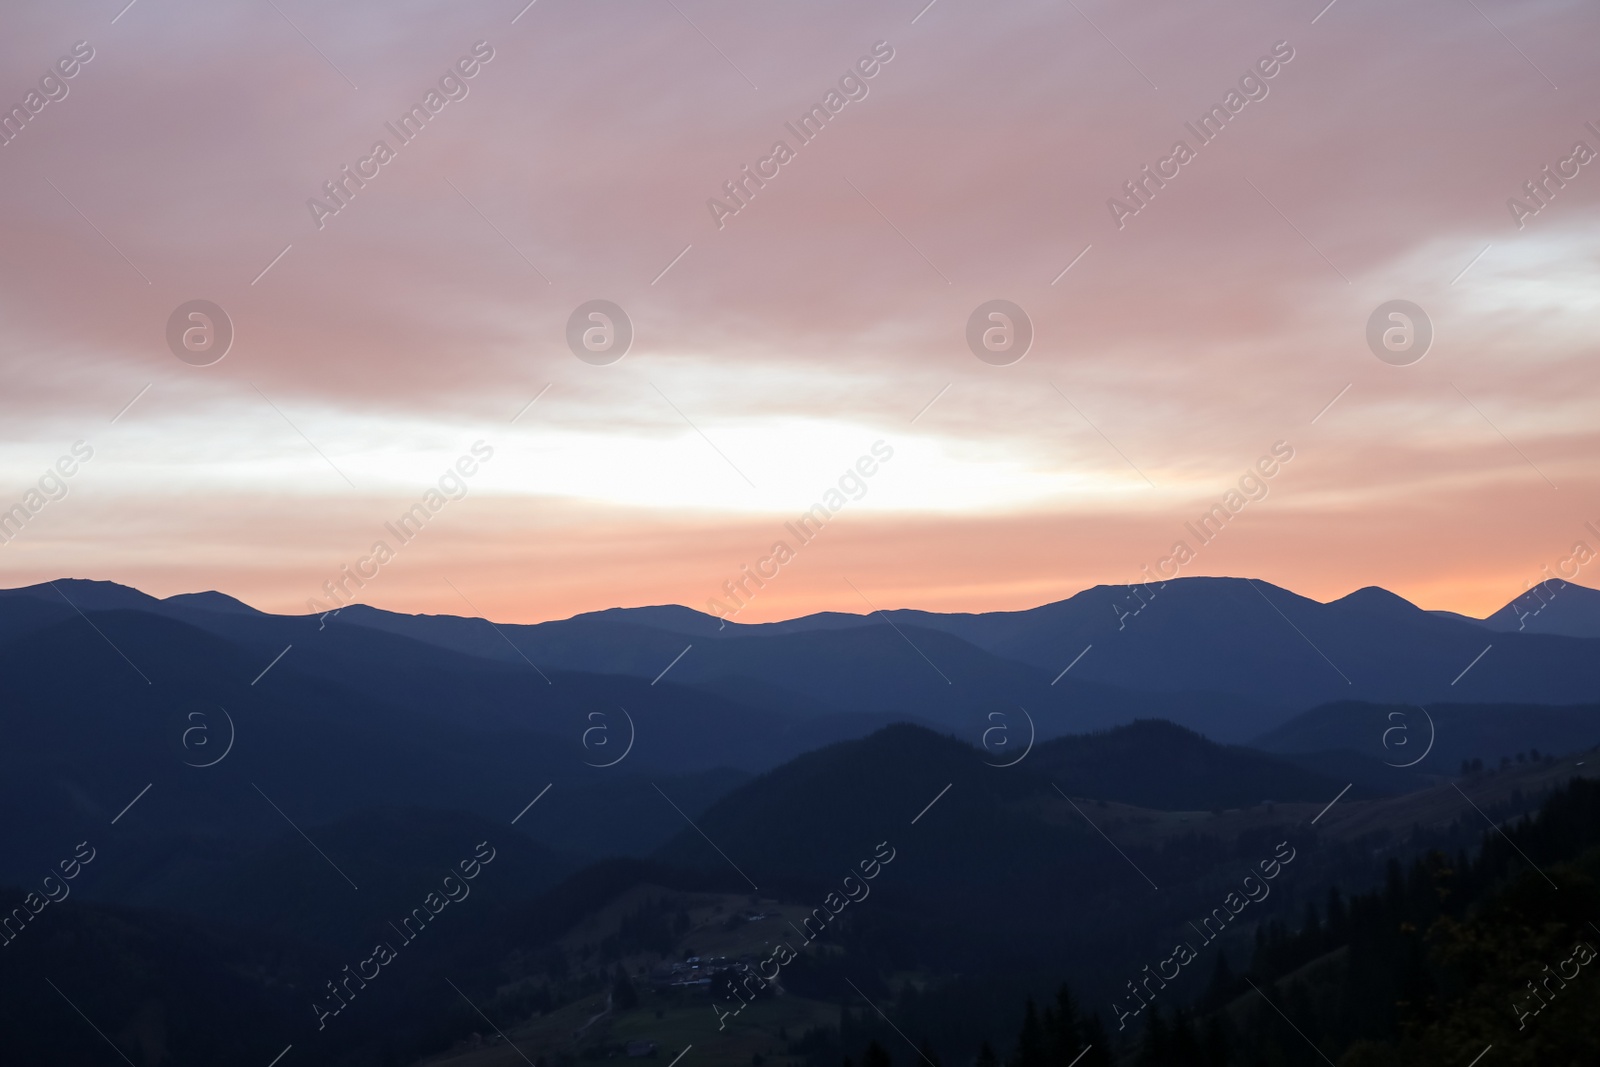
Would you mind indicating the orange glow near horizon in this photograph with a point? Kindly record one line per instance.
(774, 347)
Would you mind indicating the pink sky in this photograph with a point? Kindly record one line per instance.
(821, 318)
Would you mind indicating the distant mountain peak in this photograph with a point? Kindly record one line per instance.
(211, 600)
(1553, 607)
(86, 594)
(1376, 598)
(673, 617)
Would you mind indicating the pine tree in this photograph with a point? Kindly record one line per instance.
(1097, 1043)
(1220, 991)
(1155, 1049)
(1310, 933)
(1338, 918)
(1185, 1046)
(1063, 1029)
(623, 996)
(1031, 1050)
(1259, 964)
(1214, 1044)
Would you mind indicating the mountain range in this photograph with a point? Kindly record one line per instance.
(1231, 658)
(639, 718)
(280, 789)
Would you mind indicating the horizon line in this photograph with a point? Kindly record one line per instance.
(796, 618)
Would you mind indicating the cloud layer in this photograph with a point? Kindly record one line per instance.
(774, 345)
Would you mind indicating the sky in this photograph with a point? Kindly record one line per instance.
(1177, 338)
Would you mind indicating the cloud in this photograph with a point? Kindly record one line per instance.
(1223, 317)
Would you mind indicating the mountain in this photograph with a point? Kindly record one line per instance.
(1257, 642)
(873, 673)
(1236, 657)
(969, 837)
(1266, 650)
(234, 975)
(1553, 607)
(1087, 887)
(159, 988)
(268, 794)
(1398, 734)
(1156, 764)
(107, 707)
(365, 868)
(86, 594)
(210, 601)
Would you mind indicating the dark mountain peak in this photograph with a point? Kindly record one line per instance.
(1195, 585)
(1201, 591)
(1385, 731)
(1556, 585)
(672, 617)
(211, 600)
(87, 594)
(1158, 764)
(368, 611)
(1156, 728)
(1374, 599)
(822, 620)
(902, 736)
(898, 744)
(834, 784)
(1551, 607)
